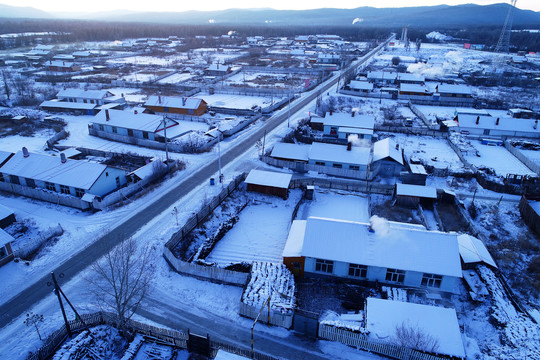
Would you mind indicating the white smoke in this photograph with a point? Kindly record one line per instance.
(356, 141)
(379, 225)
(357, 20)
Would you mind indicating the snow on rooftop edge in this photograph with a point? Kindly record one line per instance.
(269, 178)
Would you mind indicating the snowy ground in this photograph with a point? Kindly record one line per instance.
(150, 60)
(336, 204)
(497, 158)
(237, 101)
(176, 78)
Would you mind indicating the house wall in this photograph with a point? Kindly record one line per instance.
(138, 134)
(344, 165)
(292, 264)
(106, 183)
(375, 273)
(172, 110)
(345, 135)
(270, 190)
(385, 168)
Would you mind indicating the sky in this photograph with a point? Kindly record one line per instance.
(182, 5)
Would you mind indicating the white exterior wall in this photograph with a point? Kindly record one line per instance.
(344, 165)
(107, 183)
(375, 273)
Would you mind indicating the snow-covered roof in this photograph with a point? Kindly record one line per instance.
(291, 151)
(146, 170)
(410, 77)
(84, 94)
(358, 155)
(383, 316)
(68, 105)
(348, 120)
(60, 63)
(504, 123)
(386, 148)
(70, 152)
(173, 102)
(381, 75)
(453, 89)
(349, 130)
(416, 190)
(4, 155)
(418, 169)
(390, 244)
(218, 67)
(416, 88)
(75, 173)
(473, 250)
(5, 212)
(360, 85)
(5, 238)
(295, 240)
(81, 53)
(269, 178)
(129, 120)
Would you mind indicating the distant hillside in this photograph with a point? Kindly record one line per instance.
(423, 16)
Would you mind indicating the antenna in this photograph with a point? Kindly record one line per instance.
(503, 45)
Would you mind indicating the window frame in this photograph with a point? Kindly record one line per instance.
(324, 266)
(358, 271)
(395, 275)
(64, 189)
(431, 280)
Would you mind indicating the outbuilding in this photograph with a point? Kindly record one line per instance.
(6, 251)
(7, 217)
(268, 182)
(412, 195)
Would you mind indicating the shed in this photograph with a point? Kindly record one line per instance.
(473, 251)
(387, 158)
(291, 152)
(6, 251)
(292, 253)
(412, 195)
(268, 182)
(7, 217)
(416, 176)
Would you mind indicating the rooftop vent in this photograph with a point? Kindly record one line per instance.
(25, 152)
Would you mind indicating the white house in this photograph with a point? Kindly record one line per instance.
(360, 86)
(340, 156)
(381, 251)
(499, 127)
(342, 125)
(387, 158)
(60, 174)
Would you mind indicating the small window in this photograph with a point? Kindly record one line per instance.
(325, 266)
(3, 252)
(322, 163)
(394, 275)
(296, 265)
(14, 179)
(359, 271)
(30, 182)
(145, 135)
(50, 186)
(101, 127)
(117, 181)
(486, 131)
(431, 280)
(165, 109)
(85, 101)
(114, 130)
(79, 192)
(2, 177)
(64, 189)
(337, 166)
(130, 132)
(354, 167)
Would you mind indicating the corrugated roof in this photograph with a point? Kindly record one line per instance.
(130, 120)
(173, 102)
(386, 148)
(68, 105)
(5, 238)
(389, 245)
(76, 173)
(269, 178)
(473, 250)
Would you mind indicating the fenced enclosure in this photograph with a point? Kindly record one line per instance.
(276, 318)
(343, 184)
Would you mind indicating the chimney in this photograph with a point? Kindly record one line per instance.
(477, 120)
(135, 112)
(107, 116)
(397, 146)
(352, 115)
(25, 152)
(159, 99)
(183, 101)
(349, 146)
(63, 158)
(331, 112)
(497, 122)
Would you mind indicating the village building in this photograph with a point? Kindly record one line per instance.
(58, 174)
(474, 252)
(6, 250)
(291, 152)
(340, 156)
(392, 253)
(88, 102)
(381, 77)
(172, 106)
(451, 93)
(497, 127)
(217, 70)
(387, 158)
(406, 91)
(7, 217)
(360, 86)
(343, 125)
(62, 66)
(412, 195)
(328, 59)
(268, 182)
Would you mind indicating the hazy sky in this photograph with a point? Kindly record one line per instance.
(182, 5)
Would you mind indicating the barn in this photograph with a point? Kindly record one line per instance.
(6, 252)
(412, 195)
(268, 182)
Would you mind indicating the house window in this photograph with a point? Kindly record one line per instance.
(85, 101)
(130, 132)
(486, 131)
(145, 135)
(166, 109)
(296, 265)
(333, 130)
(79, 192)
(190, 111)
(394, 275)
(114, 129)
(325, 266)
(64, 189)
(322, 163)
(357, 270)
(30, 182)
(2, 177)
(3, 252)
(101, 127)
(337, 166)
(50, 186)
(14, 179)
(354, 167)
(117, 181)
(431, 280)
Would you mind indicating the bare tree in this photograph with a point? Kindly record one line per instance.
(413, 337)
(34, 320)
(121, 280)
(6, 84)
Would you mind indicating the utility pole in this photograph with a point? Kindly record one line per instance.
(166, 147)
(219, 157)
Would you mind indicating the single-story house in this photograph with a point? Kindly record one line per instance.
(62, 66)
(126, 126)
(7, 217)
(342, 125)
(268, 182)
(499, 127)
(453, 91)
(522, 113)
(416, 176)
(387, 158)
(406, 89)
(88, 102)
(328, 59)
(176, 105)
(473, 252)
(6, 251)
(380, 251)
(340, 156)
(383, 317)
(383, 77)
(407, 78)
(360, 86)
(72, 107)
(291, 152)
(217, 70)
(60, 175)
(412, 195)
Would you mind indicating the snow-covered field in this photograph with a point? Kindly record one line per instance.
(237, 101)
(336, 204)
(260, 234)
(176, 78)
(150, 60)
(497, 158)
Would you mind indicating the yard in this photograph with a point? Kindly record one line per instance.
(497, 158)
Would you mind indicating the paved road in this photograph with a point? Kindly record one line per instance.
(73, 266)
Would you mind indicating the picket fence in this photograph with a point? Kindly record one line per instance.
(276, 318)
(360, 341)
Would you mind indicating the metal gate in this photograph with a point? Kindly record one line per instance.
(306, 322)
(198, 344)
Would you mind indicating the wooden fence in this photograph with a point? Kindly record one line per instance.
(360, 341)
(528, 162)
(343, 184)
(529, 215)
(276, 318)
(215, 346)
